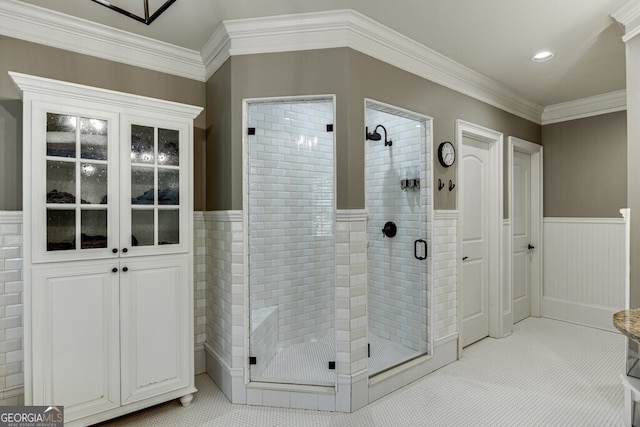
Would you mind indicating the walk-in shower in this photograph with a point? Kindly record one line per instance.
(290, 188)
(399, 204)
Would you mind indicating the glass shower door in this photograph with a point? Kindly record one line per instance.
(291, 205)
(398, 194)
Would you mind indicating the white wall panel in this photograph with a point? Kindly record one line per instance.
(584, 269)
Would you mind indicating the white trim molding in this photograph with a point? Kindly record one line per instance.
(494, 200)
(321, 30)
(348, 215)
(536, 220)
(585, 107)
(348, 28)
(50, 28)
(287, 33)
(628, 16)
(10, 217)
(25, 83)
(445, 214)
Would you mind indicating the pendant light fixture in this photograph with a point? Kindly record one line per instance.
(148, 16)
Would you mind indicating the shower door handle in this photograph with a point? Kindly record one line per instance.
(415, 249)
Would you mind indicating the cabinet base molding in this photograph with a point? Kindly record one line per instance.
(127, 409)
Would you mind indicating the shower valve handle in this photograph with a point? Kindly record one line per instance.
(389, 229)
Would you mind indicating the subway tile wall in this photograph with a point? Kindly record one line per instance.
(11, 308)
(199, 280)
(445, 304)
(291, 216)
(398, 291)
(224, 276)
(351, 292)
(11, 333)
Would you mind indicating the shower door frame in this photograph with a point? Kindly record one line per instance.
(246, 102)
(429, 218)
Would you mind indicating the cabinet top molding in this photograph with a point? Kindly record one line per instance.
(26, 83)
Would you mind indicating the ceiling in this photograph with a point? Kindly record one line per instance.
(493, 37)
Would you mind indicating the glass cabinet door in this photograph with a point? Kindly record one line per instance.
(79, 219)
(158, 206)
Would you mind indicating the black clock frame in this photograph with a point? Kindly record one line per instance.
(441, 159)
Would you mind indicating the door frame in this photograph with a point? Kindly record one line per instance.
(537, 214)
(494, 141)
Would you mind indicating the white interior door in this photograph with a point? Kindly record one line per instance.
(475, 240)
(522, 251)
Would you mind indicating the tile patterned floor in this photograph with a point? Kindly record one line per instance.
(547, 373)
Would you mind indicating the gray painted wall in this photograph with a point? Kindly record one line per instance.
(352, 77)
(585, 168)
(38, 60)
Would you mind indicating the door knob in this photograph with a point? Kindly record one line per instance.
(465, 258)
(530, 246)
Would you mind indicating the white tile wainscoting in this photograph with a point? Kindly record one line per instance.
(11, 332)
(584, 283)
(11, 308)
(228, 317)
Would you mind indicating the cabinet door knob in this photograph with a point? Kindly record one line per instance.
(114, 270)
(125, 269)
(125, 250)
(114, 250)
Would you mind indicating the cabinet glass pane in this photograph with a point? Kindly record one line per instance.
(93, 225)
(142, 144)
(142, 186)
(168, 187)
(93, 183)
(142, 225)
(61, 182)
(168, 147)
(61, 230)
(168, 227)
(93, 139)
(61, 135)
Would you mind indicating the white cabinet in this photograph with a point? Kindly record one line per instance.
(108, 260)
(154, 333)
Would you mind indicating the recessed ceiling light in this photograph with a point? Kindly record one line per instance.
(542, 56)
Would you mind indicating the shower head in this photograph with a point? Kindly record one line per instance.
(375, 136)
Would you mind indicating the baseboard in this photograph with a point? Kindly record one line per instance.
(581, 314)
(200, 359)
(229, 380)
(219, 371)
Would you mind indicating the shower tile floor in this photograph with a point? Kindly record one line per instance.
(386, 354)
(304, 363)
(308, 363)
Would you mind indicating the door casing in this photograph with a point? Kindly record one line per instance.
(536, 152)
(494, 140)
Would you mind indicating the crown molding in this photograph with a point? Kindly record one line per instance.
(47, 27)
(629, 17)
(216, 51)
(120, 100)
(585, 107)
(348, 28)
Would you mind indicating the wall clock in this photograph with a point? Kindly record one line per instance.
(446, 154)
